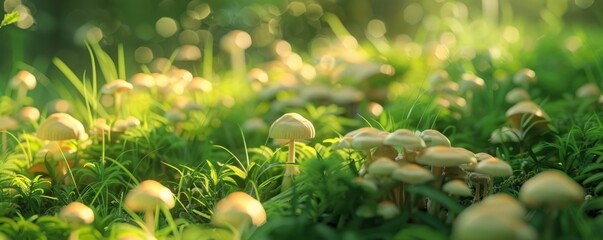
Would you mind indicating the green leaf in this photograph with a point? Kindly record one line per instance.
(10, 18)
(594, 178)
(437, 196)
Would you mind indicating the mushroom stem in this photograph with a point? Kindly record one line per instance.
(290, 170)
(149, 219)
(118, 105)
(74, 235)
(434, 207)
(238, 62)
(477, 197)
(21, 94)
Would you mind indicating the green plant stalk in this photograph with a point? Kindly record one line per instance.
(4, 142)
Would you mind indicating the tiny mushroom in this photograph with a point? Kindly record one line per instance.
(588, 91)
(6, 123)
(517, 95)
(117, 88)
(291, 126)
(76, 214)
(23, 82)
(146, 197)
(240, 211)
(526, 114)
(551, 189)
(409, 143)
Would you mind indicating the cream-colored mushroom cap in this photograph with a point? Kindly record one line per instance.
(23, 78)
(387, 209)
(517, 95)
(148, 195)
(480, 156)
(517, 112)
(77, 213)
(117, 86)
(434, 138)
(291, 126)
(478, 223)
(412, 174)
(471, 82)
(505, 203)
(143, 80)
(61, 126)
(551, 189)
(588, 90)
(29, 114)
(494, 167)
(382, 167)
(525, 76)
(505, 135)
(237, 208)
(457, 187)
(367, 140)
(404, 138)
(442, 156)
(8, 123)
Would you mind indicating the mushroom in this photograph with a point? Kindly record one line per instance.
(387, 209)
(117, 88)
(551, 189)
(240, 211)
(434, 138)
(76, 214)
(409, 143)
(439, 157)
(291, 126)
(146, 197)
(457, 188)
(517, 95)
(525, 77)
(29, 114)
(57, 128)
(475, 223)
(588, 91)
(526, 114)
(235, 42)
(366, 140)
(22, 82)
(6, 123)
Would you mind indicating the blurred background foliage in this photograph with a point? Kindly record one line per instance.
(57, 28)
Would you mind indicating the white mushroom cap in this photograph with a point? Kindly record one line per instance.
(291, 126)
(551, 189)
(382, 167)
(23, 78)
(517, 95)
(442, 156)
(77, 213)
(505, 134)
(434, 138)
(148, 195)
(588, 90)
(457, 187)
(525, 76)
(494, 167)
(412, 174)
(406, 139)
(61, 126)
(237, 208)
(523, 111)
(117, 86)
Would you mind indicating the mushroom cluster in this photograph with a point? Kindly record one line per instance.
(419, 158)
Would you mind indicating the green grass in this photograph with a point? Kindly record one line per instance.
(212, 151)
